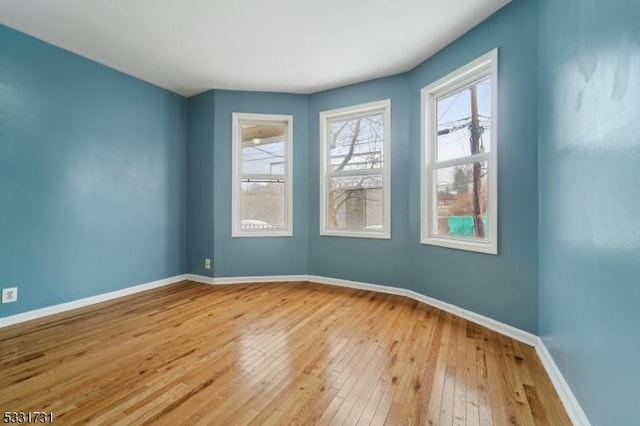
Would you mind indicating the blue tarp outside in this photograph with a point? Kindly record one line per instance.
(462, 226)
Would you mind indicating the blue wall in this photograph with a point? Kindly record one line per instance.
(362, 259)
(200, 194)
(92, 176)
(258, 256)
(590, 201)
(503, 287)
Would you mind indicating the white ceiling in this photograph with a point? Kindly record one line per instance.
(296, 46)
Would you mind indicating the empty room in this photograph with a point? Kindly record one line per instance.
(339, 212)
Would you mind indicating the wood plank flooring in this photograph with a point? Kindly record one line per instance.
(278, 353)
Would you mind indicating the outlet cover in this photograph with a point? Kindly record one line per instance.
(207, 263)
(10, 295)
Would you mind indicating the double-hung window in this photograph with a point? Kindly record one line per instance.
(355, 171)
(261, 194)
(459, 158)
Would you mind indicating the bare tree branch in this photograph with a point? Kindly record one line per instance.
(352, 146)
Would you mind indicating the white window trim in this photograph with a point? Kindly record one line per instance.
(236, 158)
(354, 111)
(483, 66)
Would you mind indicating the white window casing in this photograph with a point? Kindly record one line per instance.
(241, 224)
(374, 222)
(455, 83)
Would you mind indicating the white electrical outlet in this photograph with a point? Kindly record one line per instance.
(207, 263)
(10, 295)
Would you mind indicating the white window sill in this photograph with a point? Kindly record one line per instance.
(356, 234)
(261, 234)
(458, 244)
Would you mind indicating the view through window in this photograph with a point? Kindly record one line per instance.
(459, 173)
(355, 164)
(262, 194)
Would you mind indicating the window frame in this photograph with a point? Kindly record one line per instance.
(237, 119)
(486, 65)
(384, 107)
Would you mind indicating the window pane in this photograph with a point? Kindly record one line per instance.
(459, 114)
(263, 206)
(263, 148)
(357, 143)
(461, 194)
(355, 203)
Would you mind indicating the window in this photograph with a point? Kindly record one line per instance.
(459, 158)
(354, 167)
(261, 195)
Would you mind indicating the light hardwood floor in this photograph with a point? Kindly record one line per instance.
(279, 353)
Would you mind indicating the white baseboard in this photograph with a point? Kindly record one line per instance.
(241, 280)
(515, 333)
(80, 303)
(571, 404)
(500, 327)
(200, 279)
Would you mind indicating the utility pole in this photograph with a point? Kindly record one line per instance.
(474, 128)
